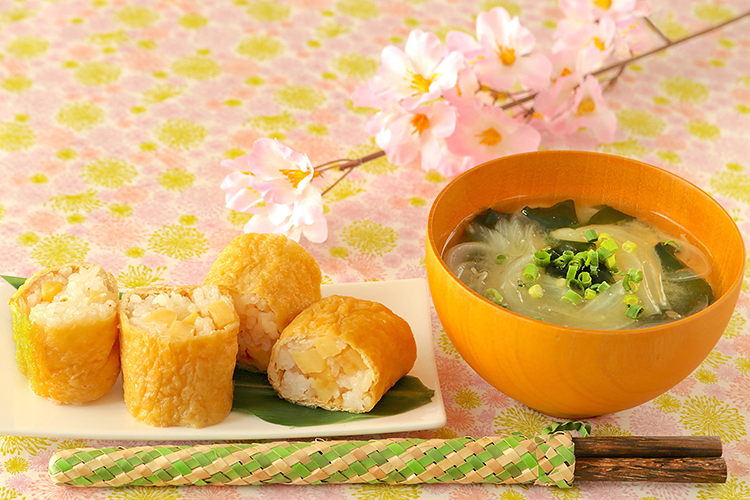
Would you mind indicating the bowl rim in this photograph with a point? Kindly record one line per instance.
(725, 296)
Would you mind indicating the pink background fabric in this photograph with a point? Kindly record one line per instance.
(115, 116)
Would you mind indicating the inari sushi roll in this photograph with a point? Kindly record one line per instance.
(342, 353)
(271, 279)
(179, 349)
(65, 331)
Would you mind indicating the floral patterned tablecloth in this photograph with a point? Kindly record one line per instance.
(115, 116)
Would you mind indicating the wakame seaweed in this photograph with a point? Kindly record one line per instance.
(686, 292)
(562, 214)
(489, 218)
(608, 215)
(666, 253)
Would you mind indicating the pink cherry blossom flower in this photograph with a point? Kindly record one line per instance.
(484, 133)
(275, 184)
(304, 217)
(568, 67)
(588, 11)
(451, 165)
(506, 56)
(587, 109)
(415, 75)
(466, 88)
(623, 14)
(600, 34)
(417, 133)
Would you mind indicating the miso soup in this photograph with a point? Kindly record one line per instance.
(583, 267)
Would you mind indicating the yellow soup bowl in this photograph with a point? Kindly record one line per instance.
(570, 372)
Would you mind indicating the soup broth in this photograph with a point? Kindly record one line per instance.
(581, 266)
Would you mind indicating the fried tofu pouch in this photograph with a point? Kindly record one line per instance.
(342, 353)
(65, 331)
(178, 350)
(271, 279)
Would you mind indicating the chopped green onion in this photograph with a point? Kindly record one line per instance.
(673, 243)
(629, 246)
(593, 262)
(634, 311)
(493, 296)
(536, 291)
(611, 263)
(634, 286)
(603, 253)
(589, 294)
(631, 300)
(572, 297)
(635, 275)
(603, 236)
(541, 258)
(585, 279)
(590, 235)
(564, 259)
(572, 271)
(603, 287)
(530, 272)
(610, 245)
(500, 258)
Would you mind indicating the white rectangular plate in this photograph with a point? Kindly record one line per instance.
(23, 413)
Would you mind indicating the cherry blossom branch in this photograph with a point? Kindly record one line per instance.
(620, 65)
(667, 45)
(348, 164)
(449, 132)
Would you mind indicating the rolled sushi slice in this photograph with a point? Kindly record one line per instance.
(178, 350)
(271, 279)
(342, 353)
(65, 331)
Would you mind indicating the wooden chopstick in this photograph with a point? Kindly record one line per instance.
(647, 446)
(672, 470)
(686, 459)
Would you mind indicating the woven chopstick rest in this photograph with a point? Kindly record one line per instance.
(546, 459)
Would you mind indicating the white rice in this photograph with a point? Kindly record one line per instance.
(84, 298)
(138, 309)
(297, 386)
(258, 326)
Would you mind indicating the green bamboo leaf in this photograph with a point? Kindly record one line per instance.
(14, 280)
(253, 394)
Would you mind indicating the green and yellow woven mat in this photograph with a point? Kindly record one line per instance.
(545, 459)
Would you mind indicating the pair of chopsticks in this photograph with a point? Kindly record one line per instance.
(684, 459)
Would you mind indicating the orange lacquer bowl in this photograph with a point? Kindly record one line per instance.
(568, 372)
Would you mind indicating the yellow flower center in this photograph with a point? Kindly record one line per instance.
(420, 123)
(566, 72)
(420, 83)
(587, 105)
(506, 55)
(603, 4)
(599, 44)
(490, 137)
(295, 176)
